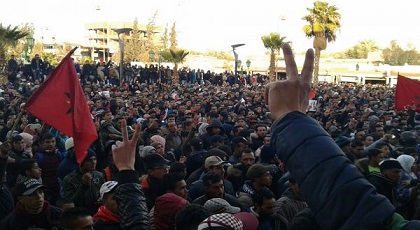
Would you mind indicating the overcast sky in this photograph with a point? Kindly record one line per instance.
(217, 24)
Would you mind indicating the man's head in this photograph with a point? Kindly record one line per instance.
(368, 140)
(196, 144)
(30, 194)
(176, 184)
(89, 163)
(191, 216)
(214, 186)
(375, 157)
(157, 166)
(261, 130)
(172, 127)
(383, 147)
(214, 165)
(344, 143)
(107, 195)
(259, 175)
(391, 169)
(238, 144)
(247, 157)
(379, 131)
(264, 202)
(48, 142)
(17, 143)
(76, 219)
(357, 147)
(360, 134)
(30, 168)
(69, 144)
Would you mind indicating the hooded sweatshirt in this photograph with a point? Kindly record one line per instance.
(166, 208)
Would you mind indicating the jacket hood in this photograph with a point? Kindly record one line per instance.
(166, 207)
(406, 162)
(215, 124)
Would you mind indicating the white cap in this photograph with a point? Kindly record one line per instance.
(107, 187)
(69, 143)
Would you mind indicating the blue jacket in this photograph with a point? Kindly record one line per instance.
(336, 192)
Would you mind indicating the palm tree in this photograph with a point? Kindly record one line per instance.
(175, 56)
(273, 42)
(324, 22)
(8, 37)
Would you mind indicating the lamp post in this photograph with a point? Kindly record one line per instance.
(121, 43)
(30, 41)
(236, 56)
(248, 64)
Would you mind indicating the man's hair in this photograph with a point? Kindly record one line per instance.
(47, 136)
(260, 125)
(177, 167)
(191, 216)
(373, 153)
(247, 150)
(25, 165)
(356, 143)
(262, 194)
(380, 145)
(409, 150)
(171, 179)
(69, 217)
(211, 179)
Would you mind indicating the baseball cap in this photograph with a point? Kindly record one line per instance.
(389, 164)
(249, 221)
(219, 205)
(196, 143)
(223, 220)
(213, 161)
(69, 143)
(153, 160)
(256, 171)
(106, 188)
(342, 141)
(28, 187)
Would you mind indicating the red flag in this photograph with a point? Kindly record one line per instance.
(60, 103)
(407, 94)
(312, 94)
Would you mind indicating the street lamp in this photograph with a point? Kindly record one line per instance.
(121, 43)
(30, 41)
(248, 64)
(236, 56)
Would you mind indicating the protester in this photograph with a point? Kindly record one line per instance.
(238, 120)
(327, 169)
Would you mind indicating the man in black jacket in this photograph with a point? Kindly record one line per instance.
(31, 211)
(386, 181)
(131, 201)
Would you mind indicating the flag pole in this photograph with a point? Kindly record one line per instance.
(10, 135)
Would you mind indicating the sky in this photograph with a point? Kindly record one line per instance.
(218, 24)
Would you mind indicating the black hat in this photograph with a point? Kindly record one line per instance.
(342, 141)
(389, 164)
(28, 187)
(238, 139)
(153, 160)
(196, 143)
(216, 138)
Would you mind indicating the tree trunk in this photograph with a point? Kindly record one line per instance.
(175, 77)
(3, 72)
(316, 64)
(272, 68)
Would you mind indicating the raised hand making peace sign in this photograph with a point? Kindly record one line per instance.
(292, 94)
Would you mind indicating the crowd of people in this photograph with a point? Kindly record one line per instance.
(211, 152)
